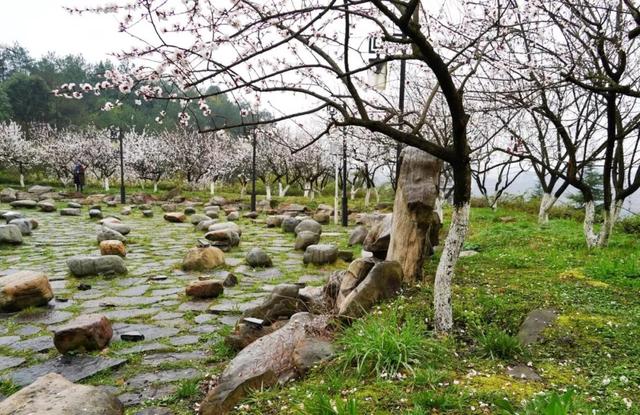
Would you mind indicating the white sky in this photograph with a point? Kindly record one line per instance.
(43, 25)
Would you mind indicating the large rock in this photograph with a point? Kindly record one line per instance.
(25, 204)
(113, 247)
(289, 224)
(378, 238)
(121, 228)
(52, 394)
(292, 208)
(106, 234)
(82, 266)
(24, 289)
(224, 239)
(257, 257)
(38, 190)
(320, 254)
(202, 259)
(70, 212)
(358, 235)
(322, 217)
(204, 289)
(308, 225)
(274, 221)
(283, 302)
(85, 333)
(25, 225)
(233, 216)
(95, 213)
(205, 224)
(384, 281)
(305, 239)
(196, 218)
(175, 217)
(226, 225)
(10, 234)
(265, 362)
(11, 215)
(352, 277)
(47, 205)
(246, 333)
(8, 195)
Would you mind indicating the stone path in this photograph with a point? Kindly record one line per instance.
(180, 333)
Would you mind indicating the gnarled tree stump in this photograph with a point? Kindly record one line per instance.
(413, 211)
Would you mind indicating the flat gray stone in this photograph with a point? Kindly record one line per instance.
(533, 325)
(74, 368)
(156, 359)
(163, 376)
(37, 344)
(184, 340)
(523, 372)
(142, 348)
(7, 362)
(149, 332)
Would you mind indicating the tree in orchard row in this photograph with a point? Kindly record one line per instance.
(15, 150)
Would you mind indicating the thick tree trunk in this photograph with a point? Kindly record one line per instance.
(353, 191)
(367, 197)
(282, 191)
(212, 188)
(589, 219)
(610, 219)
(155, 186)
(547, 202)
(243, 190)
(21, 180)
(268, 190)
(446, 267)
(440, 206)
(415, 199)
(106, 184)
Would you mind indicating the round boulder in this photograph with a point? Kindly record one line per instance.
(84, 333)
(82, 266)
(306, 238)
(204, 289)
(257, 257)
(113, 247)
(175, 217)
(320, 254)
(10, 234)
(289, 224)
(25, 225)
(202, 259)
(24, 289)
(106, 234)
(309, 225)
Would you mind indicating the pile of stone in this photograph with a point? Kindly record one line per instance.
(291, 331)
(17, 226)
(29, 198)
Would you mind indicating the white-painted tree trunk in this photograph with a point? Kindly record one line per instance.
(546, 203)
(493, 203)
(589, 218)
(446, 268)
(367, 197)
(21, 180)
(439, 206)
(375, 189)
(610, 219)
(282, 191)
(268, 190)
(155, 186)
(212, 188)
(243, 190)
(106, 184)
(354, 191)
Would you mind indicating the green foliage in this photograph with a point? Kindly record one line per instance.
(546, 404)
(630, 225)
(29, 97)
(497, 343)
(187, 389)
(593, 178)
(607, 267)
(441, 400)
(384, 345)
(321, 404)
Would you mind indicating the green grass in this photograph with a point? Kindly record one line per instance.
(592, 349)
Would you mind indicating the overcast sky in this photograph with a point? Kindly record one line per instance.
(43, 25)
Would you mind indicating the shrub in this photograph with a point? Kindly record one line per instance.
(497, 343)
(630, 225)
(385, 343)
